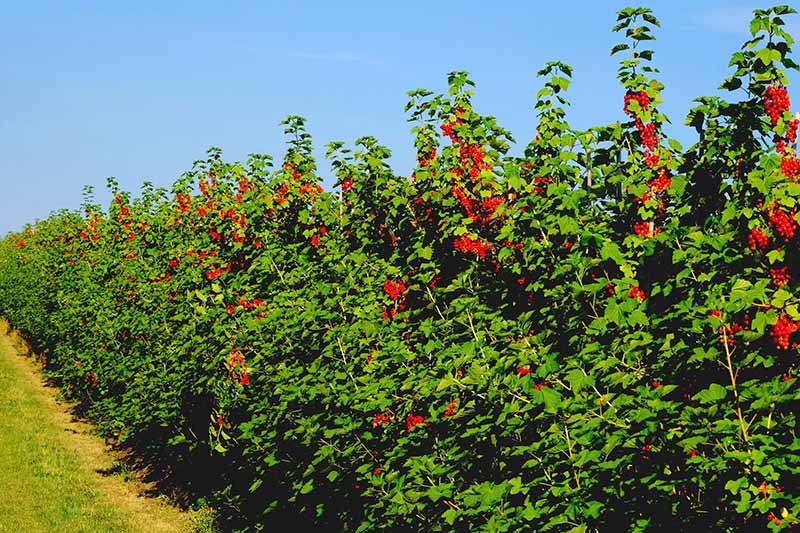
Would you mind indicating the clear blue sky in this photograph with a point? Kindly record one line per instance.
(139, 90)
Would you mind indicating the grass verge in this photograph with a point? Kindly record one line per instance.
(51, 466)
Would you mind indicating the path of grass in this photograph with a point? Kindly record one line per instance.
(49, 470)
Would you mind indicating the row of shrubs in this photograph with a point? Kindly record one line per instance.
(600, 334)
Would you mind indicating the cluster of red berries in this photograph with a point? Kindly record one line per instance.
(791, 130)
(649, 140)
(782, 330)
(651, 160)
(164, 277)
(244, 304)
(660, 183)
(413, 420)
(516, 246)
(89, 233)
(470, 205)
(646, 449)
(649, 137)
(641, 98)
(381, 419)
(252, 304)
(314, 239)
(124, 218)
(726, 333)
(540, 184)
(757, 240)
(388, 313)
(647, 132)
(245, 185)
(450, 409)
(308, 187)
(490, 205)
(215, 273)
(771, 517)
(447, 129)
(645, 229)
(183, 202)
(637, 293)
(204, 187)
(467, 245)
(232, 215)
(236, 360)
(280, 197)
(394, 289)
(790, 166)
(471, 163)
(296, 175)
(538, 386)
(780, 276)
(472, 160)
(783, 223)
(426, 160)
(642, 229)
(201, 254)
(656, 187)
(776, 101)
(523, 370)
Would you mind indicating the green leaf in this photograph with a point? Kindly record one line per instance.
(612, 313)
(734, 485)
(610, 250)
(552, 400)
(756, 25)
(307, 487)
(712, 394)
(577, 380)
(780, 297)
(765, 56)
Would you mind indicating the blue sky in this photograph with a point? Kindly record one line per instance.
(139, 90)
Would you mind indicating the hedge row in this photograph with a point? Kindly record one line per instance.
(600, 334)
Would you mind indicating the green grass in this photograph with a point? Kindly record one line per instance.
(44, 484)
